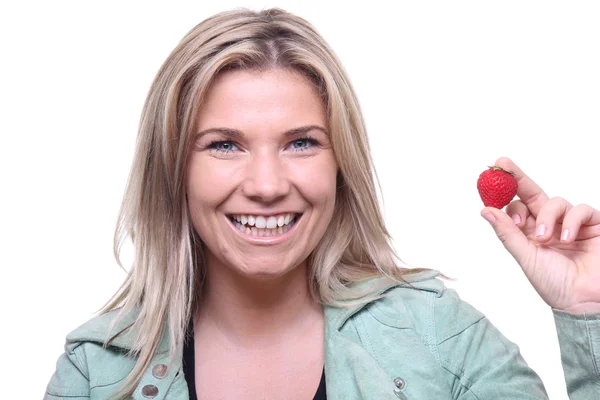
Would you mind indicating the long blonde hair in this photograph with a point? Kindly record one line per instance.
(164, 283)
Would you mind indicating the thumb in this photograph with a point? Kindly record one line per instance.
(513, 239)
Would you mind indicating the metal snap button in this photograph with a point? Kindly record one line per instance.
(150, 391)
(400, 383)
(159, 371)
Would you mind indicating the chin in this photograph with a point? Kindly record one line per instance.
(263, 270)
(263, 273)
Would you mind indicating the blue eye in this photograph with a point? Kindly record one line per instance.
(303, 144)
(227, 146)
(223, 146)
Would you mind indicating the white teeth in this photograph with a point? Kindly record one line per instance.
(272, 223)
(262, 232)
(260, 222)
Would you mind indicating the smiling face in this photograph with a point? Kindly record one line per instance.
(261, 174)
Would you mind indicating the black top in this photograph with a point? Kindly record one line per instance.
(189, 371)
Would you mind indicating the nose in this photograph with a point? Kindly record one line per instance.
(266, 178)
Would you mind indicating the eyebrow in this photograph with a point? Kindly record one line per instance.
(237, 134)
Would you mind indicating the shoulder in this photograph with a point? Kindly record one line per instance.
(103, 327)
(88, 362)
(476, 359)
(96, 362)
(426, 305)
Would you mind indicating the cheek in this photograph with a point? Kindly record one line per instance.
(205, 183)
(203, 191)
(320, 192)
(318, 183)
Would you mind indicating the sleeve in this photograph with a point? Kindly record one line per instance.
(579, 341)
(70, 380)
(484, 363)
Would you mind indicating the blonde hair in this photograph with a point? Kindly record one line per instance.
(164, 283)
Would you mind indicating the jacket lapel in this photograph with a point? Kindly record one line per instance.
(352, 373)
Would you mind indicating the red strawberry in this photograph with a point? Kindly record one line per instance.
(497, 187)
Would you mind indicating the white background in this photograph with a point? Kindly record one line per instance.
(446, 88)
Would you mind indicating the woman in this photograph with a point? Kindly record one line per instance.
(263, 266)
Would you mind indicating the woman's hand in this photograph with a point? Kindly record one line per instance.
(556, 244)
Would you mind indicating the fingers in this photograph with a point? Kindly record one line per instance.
(552, 219)
(513, 239)
(581, 215)
(557, 220)
(551, 215)
(529, 192)
(519, 212)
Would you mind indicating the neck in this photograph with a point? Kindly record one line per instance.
(258, 312)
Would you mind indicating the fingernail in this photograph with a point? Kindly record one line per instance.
(516, 218)
(489, 217)
(564, 236)
(541, 230)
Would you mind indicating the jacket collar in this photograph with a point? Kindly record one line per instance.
(96, 330)
(99, 330)
(351, 370)
(336, 317)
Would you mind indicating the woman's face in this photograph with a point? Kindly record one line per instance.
(261, 176)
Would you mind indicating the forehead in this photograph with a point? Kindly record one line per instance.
(243, 99)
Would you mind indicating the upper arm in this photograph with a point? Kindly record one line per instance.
(70, 380)
(485, 364)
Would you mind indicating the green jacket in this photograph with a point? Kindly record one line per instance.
(419, 342)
